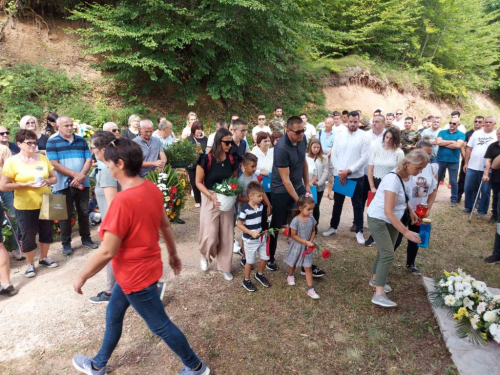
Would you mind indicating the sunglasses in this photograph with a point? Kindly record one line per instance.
(262, 119)
(115, 130)
(298, 132)
(30, 144)
(31, 122)
(453, 123)
(4, 133)
(227, 143)
(399, 113)
(478, 121)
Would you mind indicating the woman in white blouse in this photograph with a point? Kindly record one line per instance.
(318, 165)
(190, 119)
(384, 157)
(384, 220)
(423, 191)
(265, 157)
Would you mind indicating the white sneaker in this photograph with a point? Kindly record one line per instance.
(290, 280)
(311, 293)
(203, 264)
(329, 232)
(227, 275)
(197, 205)
(360, 238)
(236, 247)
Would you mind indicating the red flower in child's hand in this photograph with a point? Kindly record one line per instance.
(286, 231)
(73, 221)
(234, 186)
(309, 250)
(173, 190)
(260, 178)
(326, 254)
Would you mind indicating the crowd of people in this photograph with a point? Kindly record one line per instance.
(387, 165)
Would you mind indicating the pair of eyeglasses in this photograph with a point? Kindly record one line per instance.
(298, 132)
(30, 144)
(115, 130)
(31, 122)
(262, 119)
(478, 121)
(227, 143)
(399, 113)
(4, 133)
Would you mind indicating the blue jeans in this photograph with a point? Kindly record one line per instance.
(434, 160)
(149, 306)
(7, 198)
(472, 182)
(453, 173)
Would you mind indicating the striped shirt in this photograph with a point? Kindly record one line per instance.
(252, 219)
(71, 155)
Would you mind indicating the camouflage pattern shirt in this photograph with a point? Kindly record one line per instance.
(409, 139)
(277, 125)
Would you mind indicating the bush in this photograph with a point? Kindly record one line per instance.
(182, 152)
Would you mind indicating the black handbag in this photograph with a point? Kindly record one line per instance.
(406, 216)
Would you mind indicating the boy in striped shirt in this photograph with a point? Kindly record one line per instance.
(250, 223)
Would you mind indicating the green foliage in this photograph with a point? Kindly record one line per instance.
(222, 46)
(182, 152)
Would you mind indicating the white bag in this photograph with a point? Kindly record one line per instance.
(226, 202)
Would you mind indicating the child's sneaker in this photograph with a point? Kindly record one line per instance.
(311, 293)
(290, 280)
(248, 285)
(262, 279)
(243, 262)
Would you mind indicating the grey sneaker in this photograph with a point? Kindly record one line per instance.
(90, 244)
(101, 297)
(30, 270)
(8, 291)
(67, 250)
(47, 262)
(480, 215)
(84, 365)
(204, 370)
(387, 288)
(18, 255)
(383, 301)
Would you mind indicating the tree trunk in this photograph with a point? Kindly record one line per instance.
(425, 45)
(439, 41)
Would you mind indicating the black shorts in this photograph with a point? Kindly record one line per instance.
(30, 225)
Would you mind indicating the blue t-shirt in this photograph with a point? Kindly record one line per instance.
(326, 140)
(92, 205)
(446, 154)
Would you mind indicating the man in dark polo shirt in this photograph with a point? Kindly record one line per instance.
(289, 181)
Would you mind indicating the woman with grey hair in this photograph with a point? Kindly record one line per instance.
(133, 130)
(386, 219)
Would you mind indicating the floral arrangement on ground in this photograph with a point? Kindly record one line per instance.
(173, 189)
(475, 309)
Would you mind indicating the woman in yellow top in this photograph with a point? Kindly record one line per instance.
(30, 174)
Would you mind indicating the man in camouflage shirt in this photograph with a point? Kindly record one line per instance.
(277, 124)
(409, 137)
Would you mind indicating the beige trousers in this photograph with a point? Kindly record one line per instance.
(216, 234)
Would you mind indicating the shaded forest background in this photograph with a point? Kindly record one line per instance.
(249, 55)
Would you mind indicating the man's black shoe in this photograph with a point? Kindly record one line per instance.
(493, 259)
(180, 221)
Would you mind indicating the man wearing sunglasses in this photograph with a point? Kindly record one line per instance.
(450, 142)
(399, 121)
(290, 180)
(4, 140)
(350, 154)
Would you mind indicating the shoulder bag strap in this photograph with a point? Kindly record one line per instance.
(403, 185)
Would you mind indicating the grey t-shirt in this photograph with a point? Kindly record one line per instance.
(244, 181)
(286, 155)
(103, 180)
(432, 135)
(149, 152)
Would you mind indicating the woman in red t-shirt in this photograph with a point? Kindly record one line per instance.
(129, 235)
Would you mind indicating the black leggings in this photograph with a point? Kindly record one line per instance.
(316, 209)
(192, 181)
(412, 249)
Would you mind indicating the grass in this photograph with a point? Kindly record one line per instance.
(282, 331)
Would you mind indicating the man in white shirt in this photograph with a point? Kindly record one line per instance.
(349, 156)
(455, 116)
(432, 134)
(399, 121)
(474, 167)
(221, 123)
(261, 127)
(310, 130)
(338, 127)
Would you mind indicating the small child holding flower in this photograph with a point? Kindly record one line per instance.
(299, 250)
